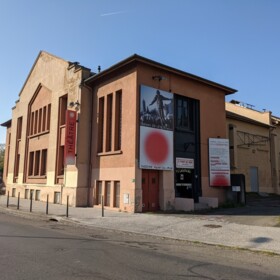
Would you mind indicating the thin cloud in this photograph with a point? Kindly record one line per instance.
(113, 13)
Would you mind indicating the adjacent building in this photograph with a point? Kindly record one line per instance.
(254, 139)
(138, 136)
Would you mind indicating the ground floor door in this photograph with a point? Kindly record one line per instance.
(254, 179)
(184, 182)
(150, 190)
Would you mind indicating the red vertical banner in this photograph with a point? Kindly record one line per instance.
(70, 137)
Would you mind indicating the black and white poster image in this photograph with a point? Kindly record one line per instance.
(156, 108)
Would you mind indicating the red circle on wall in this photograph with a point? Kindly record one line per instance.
(156, 147)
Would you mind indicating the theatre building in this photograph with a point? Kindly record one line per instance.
(139, 136)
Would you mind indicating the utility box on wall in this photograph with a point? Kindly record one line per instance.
(236, 193)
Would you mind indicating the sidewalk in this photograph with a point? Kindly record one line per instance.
(214, 229)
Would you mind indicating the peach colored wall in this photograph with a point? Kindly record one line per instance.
(126, 83)
(110, 166)
(212, 115)
(117, 166)
(55, 75)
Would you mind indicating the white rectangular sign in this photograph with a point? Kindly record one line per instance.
(185, 163)
(219, 164)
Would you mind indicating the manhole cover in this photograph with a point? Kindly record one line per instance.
(212, 226)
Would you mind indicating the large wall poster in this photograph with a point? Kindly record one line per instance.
(156, 129)
(219, 163)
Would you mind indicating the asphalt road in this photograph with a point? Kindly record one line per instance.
(43, 249)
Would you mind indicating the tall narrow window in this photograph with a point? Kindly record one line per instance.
(19, 128)
(49, 117)
(107, 193)
(62, 110)
(17, 165)
(61, 138)
(40, 121)
(98, 193)
(100, 124)
(37, 163)
(109, 122)
(17, 153)
(185, 114)
(116, 194)
(44, 118)
(118, 120)
(43, 170)
(32, 124)
(60, 168)
(8, 154)
(31, 164)
(36, 122)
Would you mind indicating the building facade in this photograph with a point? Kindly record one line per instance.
(134, 136)
(254, 141)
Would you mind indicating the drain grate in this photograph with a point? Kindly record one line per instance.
(212, 226)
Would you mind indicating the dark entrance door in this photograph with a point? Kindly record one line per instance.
(184, 182)
(150, 190)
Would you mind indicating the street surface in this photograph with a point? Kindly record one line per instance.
(38, 248)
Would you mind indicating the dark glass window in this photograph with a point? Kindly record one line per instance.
(184, 113)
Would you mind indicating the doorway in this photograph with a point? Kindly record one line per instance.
(184, 182)
(150, 190)
(254, 179)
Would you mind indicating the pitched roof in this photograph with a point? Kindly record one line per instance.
(137, 58)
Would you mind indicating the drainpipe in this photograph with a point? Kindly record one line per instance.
(272, 158)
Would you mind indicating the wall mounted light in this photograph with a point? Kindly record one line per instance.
(76, 105)
(159, 78)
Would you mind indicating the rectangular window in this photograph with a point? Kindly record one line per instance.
(56, 198)
(40, 121)
(118, 120)
(37, 163)
(44, 118)
(116, 194)
(31, 132)
(109, 122)
(17, 152)
(19, 128)
(26, 193)
(8, 153)
(37, 195)
(60, 158)
(49, 117)
(36, 122)
(31, 164)
(44, 162)
(17, 165)
(60, 170)
(98, 193)
(13, 192)
(100, 124)
(185, 113)
(62, 110)
(107, 193)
